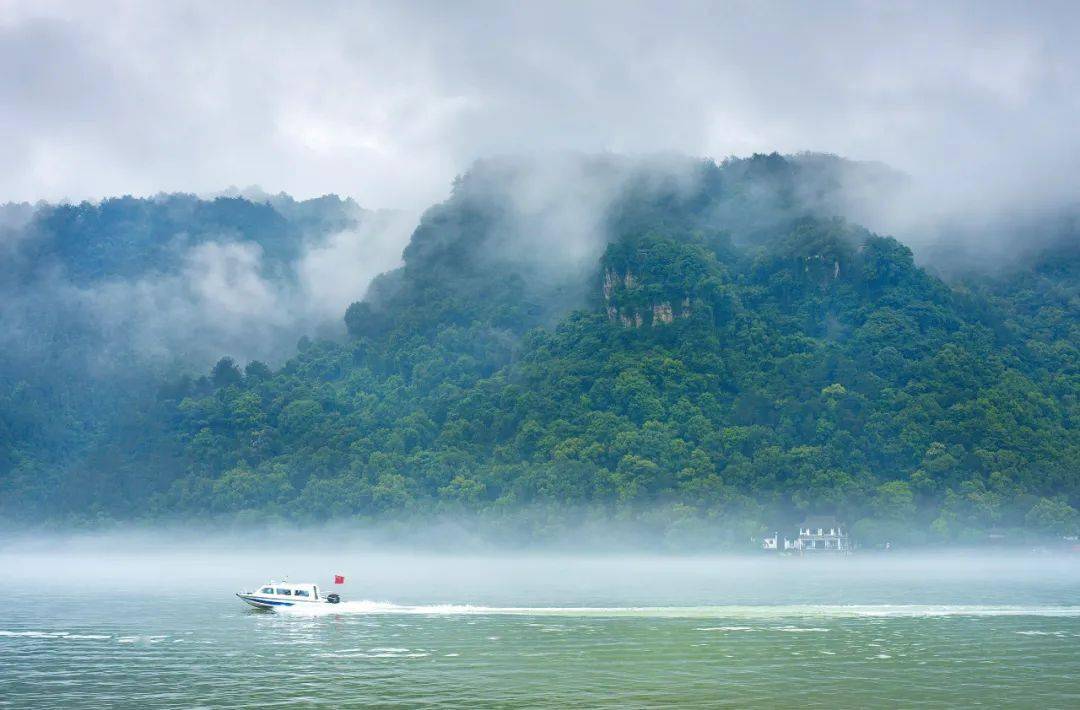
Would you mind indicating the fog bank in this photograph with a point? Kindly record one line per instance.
(976, 101)
(407, 578)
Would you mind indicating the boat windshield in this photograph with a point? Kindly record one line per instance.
(267, 590)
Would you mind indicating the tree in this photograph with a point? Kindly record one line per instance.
(225, 373)
(1053, 516)
(894, 501)
(256, 370)
(361, 320)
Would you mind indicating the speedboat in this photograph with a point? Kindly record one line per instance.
(275, 594)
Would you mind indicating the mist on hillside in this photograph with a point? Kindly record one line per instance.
(975, 102)
(697, 273)
(206, 291)
(650, 335)
(187, 291)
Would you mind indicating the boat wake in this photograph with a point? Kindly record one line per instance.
(836, 611)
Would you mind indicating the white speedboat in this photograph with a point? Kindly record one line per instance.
(275, 594)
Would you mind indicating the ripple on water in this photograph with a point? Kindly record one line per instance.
(65, 635)
(761, 656)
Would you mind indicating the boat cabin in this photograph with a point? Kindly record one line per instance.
(288, 590)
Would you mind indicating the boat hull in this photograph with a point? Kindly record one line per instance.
(262, 602)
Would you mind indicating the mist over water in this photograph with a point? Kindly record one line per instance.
(512, 580)
(96, 620)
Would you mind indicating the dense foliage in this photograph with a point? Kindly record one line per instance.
(100, 302)
(732, 355)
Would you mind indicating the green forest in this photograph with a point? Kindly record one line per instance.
(730, 352)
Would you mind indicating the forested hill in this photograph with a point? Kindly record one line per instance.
(697, 347)
(101, 301)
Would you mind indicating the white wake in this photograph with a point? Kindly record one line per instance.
(837, 611)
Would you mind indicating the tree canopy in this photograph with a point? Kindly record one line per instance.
(731, 352)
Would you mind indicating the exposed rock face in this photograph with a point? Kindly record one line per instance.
(661, 313)
(610, 279)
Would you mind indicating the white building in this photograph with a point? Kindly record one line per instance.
(822, 534)
(776, 542)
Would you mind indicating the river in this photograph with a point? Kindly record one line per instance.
(100, 626)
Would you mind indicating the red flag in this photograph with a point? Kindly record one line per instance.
(339, 579)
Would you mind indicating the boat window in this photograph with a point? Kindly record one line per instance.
(285, 592)
(301, 593)
(267, 590)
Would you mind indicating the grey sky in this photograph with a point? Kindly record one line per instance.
(388, 101)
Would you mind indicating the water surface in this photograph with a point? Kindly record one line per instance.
(96, 628)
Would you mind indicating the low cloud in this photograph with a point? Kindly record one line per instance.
(977, 101)
(337, 271)
(222, 297)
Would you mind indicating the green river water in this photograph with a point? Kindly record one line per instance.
(101, 628)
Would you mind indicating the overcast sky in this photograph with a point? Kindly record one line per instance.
(387, 102)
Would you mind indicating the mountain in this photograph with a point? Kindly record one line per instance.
(701, 348)
(100, 301)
